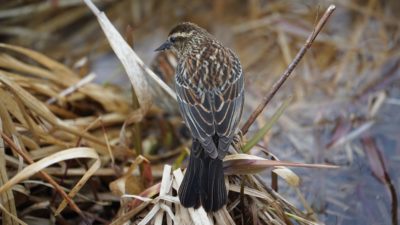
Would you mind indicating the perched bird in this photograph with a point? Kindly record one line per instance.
(209, 87)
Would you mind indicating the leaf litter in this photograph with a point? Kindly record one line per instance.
(85, 114)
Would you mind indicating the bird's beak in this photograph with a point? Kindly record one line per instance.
(165, 46)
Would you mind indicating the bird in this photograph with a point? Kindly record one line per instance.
(209, 84)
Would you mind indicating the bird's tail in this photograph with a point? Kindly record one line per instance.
(203, 182)
(213, 195)
(189, 191)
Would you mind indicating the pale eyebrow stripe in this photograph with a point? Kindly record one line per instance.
(181, 34)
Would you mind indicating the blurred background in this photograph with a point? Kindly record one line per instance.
(346, 90)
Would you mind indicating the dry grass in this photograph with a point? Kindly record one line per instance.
(107, 153)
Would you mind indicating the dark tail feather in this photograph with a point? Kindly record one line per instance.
(189, 191)
(203, 181)
(213, 194)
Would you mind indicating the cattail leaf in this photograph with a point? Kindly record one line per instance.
(240, 164)
(134, 66)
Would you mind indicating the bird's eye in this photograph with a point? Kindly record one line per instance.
(172, 39)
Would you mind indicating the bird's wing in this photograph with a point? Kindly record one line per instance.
(228, 105)
(210, 112)
(197, 111)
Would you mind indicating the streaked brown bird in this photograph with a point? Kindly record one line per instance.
(209, 86)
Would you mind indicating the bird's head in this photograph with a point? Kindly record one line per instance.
(183, 37)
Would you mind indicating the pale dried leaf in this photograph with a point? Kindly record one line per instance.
(166, 180)
(251, 192)
(250, 164)
(6, 198)
(288, 175)
(198, 216)
(141, 198)
(150, 215)
(118, 187)
(133, 65)
(30, 170)
(95, 166)
(15, 218)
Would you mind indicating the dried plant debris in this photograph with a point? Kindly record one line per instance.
(47, 112)
(268, 206)
(76, 148)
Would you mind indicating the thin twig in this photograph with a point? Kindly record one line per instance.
(87, 79)
(289, 70)
(45, 176)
